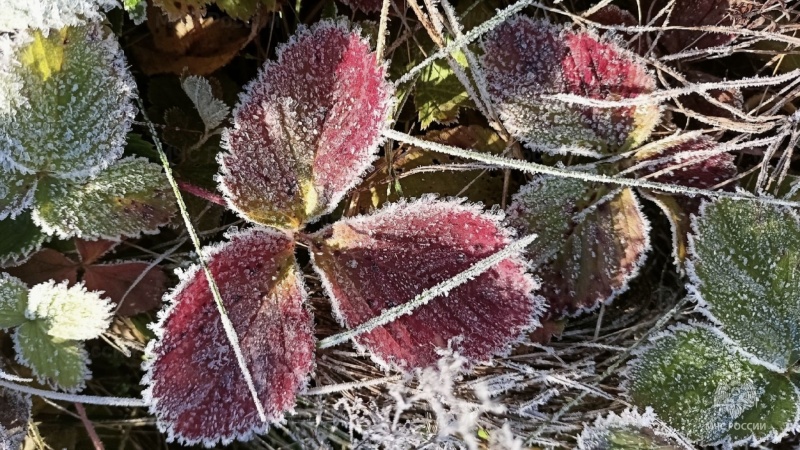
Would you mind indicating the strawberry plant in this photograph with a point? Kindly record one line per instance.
(381, 224)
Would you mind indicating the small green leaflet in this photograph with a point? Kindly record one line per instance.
(62, 363)
(698, 384)
(211, 109)
(745, 268)
(127, 199)
(69, 313)
(628, 431)
(13, 298)
(19, 239)
(439, 95)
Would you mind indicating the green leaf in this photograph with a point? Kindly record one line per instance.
(592, 240)
(137, 10)
(19, 238)
(16, 193)
(745, 268)
(211, 109)
(74, 107)
(61, 363)
(439, 95)
(628, 431)
(13, 300)
(696, 383)
(69, 313)
(130, 198)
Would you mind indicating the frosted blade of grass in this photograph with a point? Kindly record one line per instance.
(426, 296)
(85, 399)
(534, 168)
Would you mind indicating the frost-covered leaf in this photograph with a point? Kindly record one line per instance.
(306, 128)
(117, 282)
(19, 238)
(129, 198)
(15, 412)
(47, 14)
(438, 94)
(695, 13)
(46, 265)
(73, 106)
(371, 263)
(696, 383)
(64, 364)
(238, 9)
(526, 60)
(211, 109)
(68, 313)
(16, 193)
(627, 431)
(368, 6)
(416, 172)
(13, 300)
(592, 240)
(683, 164)
(745, 266)
(195, 387)
(137, 10)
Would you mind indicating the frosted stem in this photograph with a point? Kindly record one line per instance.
(85, 399)
(441, 289)
(534, 168)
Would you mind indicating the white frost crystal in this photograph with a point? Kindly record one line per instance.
(47, 14)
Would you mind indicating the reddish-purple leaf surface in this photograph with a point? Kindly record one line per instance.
(370, 263)
(682, 165)
(527, 60)
(195, 386)
(46, 265)
(306, 129)
(695, 13)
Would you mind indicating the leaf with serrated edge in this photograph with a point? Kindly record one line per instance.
(47, 14)
(195, 387)
(69, 313)
(15, 412)
(116, 279)
(19, 239)
(130, 198)
(438, 93)
(526, 60)
(16, 194)
(75, 108)
(744, 266)
(371, 263)
(64, 364)
(628, 431)
(211, 109)
(592, 240)
(13, 300)
(696, 383)
(46, 265)
(306, 128)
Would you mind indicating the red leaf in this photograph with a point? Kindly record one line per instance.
(306, 128)
(195, 386)
(695, 13)
(685, 165)
(46, 265)
(526, 60)
(370, 263)
(116, 279)
(91, 251)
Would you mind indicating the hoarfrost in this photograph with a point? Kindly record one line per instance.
(46, 14)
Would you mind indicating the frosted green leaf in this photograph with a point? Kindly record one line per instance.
(19, 239)
(438, 94)
(16, 193)
(745, 267)
(211, 109)
(13, 298)
(592, 240)
(130, 198)
(64, 364)
(627, 431)
(72, 108)
(47, 14)
(69, 313)
(697, 384)
(137, 10)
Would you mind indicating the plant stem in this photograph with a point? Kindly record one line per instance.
(197, 191)
(98, 444)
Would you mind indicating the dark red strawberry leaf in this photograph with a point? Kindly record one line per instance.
(117, 279)
(696, 13)
(592, 240)
(46, 265)
(527, 60)
(91, 251)
(195, 386)
(15, 412)
(681, 164)
(306, 129)
(370, 263)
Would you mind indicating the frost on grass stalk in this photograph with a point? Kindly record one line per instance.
(306, 128)
(627, 431)
(15, 412)
(49, 322)
(592, 240)
(372, 263)
(61, 134)
(732, 381)
(526, 61)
